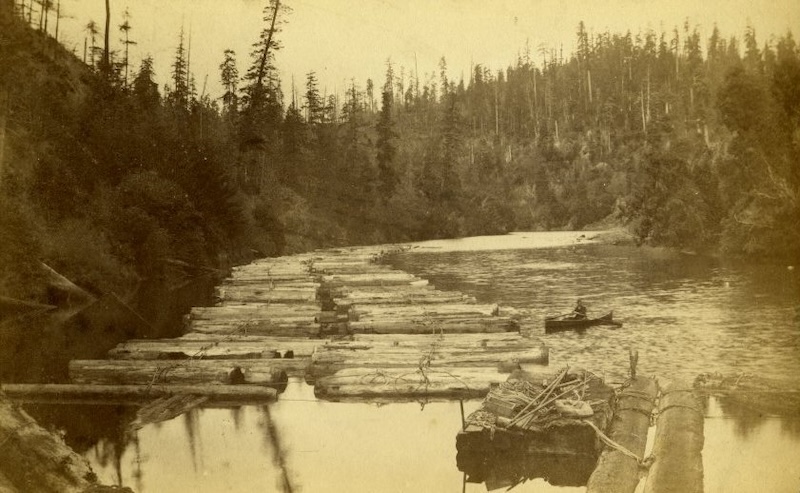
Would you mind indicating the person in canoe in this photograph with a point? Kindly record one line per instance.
(579, 313)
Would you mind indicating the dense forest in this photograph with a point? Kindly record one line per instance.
(107, 177)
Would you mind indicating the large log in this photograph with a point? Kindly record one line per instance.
(212, 349)
(477, 341)
(350, 267)
(254, 310)
(377, 279)
(36, 461)
(255, 327)
(439, 299)
(435, 326)
(132, 394)
(263, 294)
(393, 311)
(326, 362)
(615, 470)
(187, 372)
(678, 445)
(369, 383)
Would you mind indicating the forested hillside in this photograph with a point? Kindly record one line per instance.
(108, 177)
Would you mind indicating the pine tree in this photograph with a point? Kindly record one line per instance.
(387, 177)
(229, 76)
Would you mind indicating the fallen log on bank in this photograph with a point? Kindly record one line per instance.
(133, 394)
(185, 372)
(616, 470)
(32, 460)
(398, 383)
(678, 446)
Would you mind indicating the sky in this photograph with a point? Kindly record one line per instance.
(345, 39)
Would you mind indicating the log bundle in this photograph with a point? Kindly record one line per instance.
(494, 352)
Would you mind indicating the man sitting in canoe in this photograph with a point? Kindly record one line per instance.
(579, 313)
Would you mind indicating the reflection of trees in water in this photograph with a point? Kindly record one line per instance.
(85, 426)
(279, 455)
(192, 426)
(236, 418)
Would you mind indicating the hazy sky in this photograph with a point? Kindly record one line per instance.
(344, 39)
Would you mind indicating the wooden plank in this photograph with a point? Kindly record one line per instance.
(184, 372)
(615, 470)
(678, 445)
(368, 383)
(114, 394)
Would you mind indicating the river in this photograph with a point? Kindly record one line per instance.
(684, 314)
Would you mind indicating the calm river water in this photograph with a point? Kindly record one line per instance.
(684, 314)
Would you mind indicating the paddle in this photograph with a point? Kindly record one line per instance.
(559, 316)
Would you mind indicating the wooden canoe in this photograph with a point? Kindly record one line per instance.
(559, 324)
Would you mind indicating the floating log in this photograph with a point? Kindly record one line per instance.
(165, 408)
(131, 394)
(407, 298)
(328, 361)
(263, 294)
(186, 372)
(435, 326)
(678, 445)
(377, 279)
(257, 327)
(366, 383)
(375, 312)
(36, 461)
(349, 267)
(255, 311)
(615, 470)
(489, 340)
(147, 349)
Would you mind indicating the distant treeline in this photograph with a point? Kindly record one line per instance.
(105, 175)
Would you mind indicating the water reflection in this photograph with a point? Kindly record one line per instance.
(507, 470)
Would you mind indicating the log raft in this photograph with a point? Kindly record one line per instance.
(274, 318)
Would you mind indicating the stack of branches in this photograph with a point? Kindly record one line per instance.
(525, 405)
